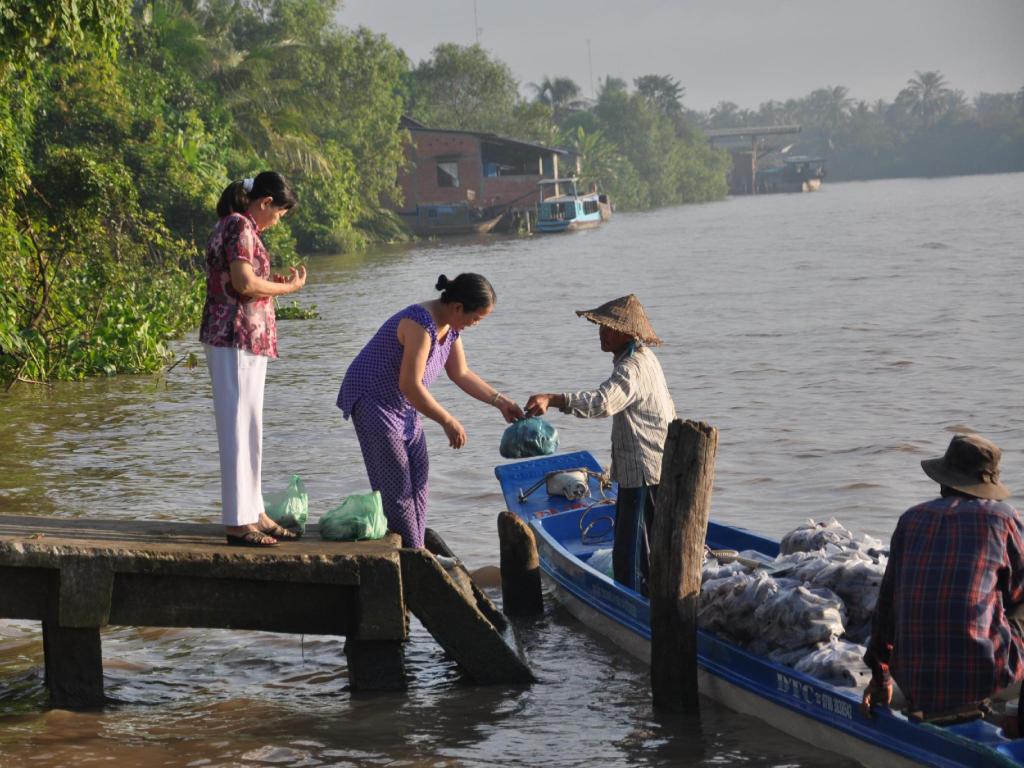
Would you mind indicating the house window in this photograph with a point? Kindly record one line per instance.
(448, 174)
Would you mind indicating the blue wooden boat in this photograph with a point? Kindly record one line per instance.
(566, 210)
(568, 532)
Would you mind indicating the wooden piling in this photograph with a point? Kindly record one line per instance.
(520, 567)
(677, 548)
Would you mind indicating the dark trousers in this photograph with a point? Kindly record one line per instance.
(631, 553)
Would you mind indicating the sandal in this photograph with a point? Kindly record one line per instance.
(251, 539)
(278, 532)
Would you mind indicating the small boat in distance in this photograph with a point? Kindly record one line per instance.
(451, 219)
(566, 210)
(798, 173)
(569, 533)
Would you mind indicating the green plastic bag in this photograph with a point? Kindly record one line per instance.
(358, 518)
(289, 508)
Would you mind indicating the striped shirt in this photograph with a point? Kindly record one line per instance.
(956, 566)
(637, 398)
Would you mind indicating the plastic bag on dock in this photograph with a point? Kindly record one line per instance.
(358, 518)
(532, 436)
(289, 508)
(838, 663)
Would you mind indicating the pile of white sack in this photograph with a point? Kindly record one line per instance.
(810, 608)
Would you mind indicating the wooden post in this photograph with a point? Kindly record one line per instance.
(73, 660)
(677, 548)
(753, 166)
(375, 665)
(520, 567)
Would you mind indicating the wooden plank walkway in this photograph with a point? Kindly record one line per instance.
(77, 575)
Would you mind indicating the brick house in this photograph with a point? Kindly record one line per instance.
(473, 171)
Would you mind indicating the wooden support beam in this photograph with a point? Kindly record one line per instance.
(74, 666)
(375, 665)
(677, 549)
(86, 585)
(520, 567)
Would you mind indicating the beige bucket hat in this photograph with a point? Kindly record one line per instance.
(626, 315)
(971, 465)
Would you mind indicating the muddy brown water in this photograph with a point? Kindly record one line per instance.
(835, 338)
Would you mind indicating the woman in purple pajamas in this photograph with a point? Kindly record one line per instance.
(386, 389)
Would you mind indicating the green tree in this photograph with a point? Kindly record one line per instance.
(926, 96)
(662, 92)
(561, 94)
(30, 27)
(600, 162)
(462, 87)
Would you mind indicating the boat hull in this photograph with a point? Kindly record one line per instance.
(419, 226)
(808, 709)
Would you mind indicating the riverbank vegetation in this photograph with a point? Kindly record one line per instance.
(121, 122)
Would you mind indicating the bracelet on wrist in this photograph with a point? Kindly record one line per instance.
(495, 398)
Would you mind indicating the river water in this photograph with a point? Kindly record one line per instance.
(835, 339)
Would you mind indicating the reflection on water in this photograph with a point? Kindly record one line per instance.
(836, 339)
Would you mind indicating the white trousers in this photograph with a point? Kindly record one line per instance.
(238, 378)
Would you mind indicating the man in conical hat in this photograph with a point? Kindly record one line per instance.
(637, 398)
(945, 625)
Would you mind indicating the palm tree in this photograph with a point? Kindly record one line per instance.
(725, 114)
(664, 92)
(271, 113)
(561, 94)
(925, 96)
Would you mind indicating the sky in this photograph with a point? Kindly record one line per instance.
(745, 51)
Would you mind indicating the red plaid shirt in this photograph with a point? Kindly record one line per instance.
(956, 566)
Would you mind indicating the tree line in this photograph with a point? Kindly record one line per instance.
(122, 120)
(930, 128)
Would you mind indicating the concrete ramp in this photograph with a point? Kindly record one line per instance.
(460, 617)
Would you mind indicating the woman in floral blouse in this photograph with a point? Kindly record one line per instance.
(239, 334)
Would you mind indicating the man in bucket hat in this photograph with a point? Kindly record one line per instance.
(943, 623)
(637, 398)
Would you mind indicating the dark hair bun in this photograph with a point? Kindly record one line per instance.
(442, 283)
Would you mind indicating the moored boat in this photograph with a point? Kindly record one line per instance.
(569, 532)
(450, 219)
(566, 210)
(796, 174)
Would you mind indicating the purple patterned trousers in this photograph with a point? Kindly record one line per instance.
(395, 453)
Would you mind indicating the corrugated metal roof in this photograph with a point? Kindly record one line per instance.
(415, 127)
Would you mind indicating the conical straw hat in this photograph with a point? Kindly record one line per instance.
(625, 315)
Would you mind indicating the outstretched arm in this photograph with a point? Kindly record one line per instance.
(617, 392)
(469, 382)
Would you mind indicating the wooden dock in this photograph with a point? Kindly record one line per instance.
(77, 575)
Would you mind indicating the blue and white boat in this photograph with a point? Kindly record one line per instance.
(826, 716)
(561, 208)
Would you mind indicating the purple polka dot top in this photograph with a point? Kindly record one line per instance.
(374, 371)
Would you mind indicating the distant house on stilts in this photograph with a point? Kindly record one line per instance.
(461, 182)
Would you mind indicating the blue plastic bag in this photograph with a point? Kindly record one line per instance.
(527, 437)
